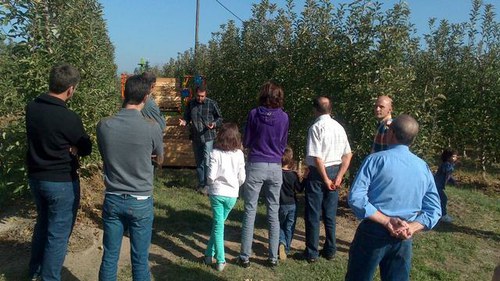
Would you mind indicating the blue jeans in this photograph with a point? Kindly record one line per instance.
(373, 246)
(288, 217)
(268, 176)
(202, 157)
(221, 206)
(320, 203)
(444, 201)
(121, 212)
(56, 205)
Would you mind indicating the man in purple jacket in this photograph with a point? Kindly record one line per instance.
(266, 138)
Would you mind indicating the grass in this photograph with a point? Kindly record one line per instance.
(469, 248)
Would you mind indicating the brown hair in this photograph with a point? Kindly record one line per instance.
(271, 95)
(228, 138)
(287, 159)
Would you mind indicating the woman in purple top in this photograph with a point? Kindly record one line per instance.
(265, 138)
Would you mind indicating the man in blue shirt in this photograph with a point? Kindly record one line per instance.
(395, 195)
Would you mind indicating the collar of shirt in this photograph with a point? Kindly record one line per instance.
(323, 117)
(52, 100)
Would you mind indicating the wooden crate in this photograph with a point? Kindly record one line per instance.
(178, 150)
(166, 94)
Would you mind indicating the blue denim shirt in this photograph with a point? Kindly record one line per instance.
(398, 184)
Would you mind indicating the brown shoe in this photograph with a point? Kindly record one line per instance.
(282, 252)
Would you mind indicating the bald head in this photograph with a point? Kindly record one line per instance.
(383, 108)
(322, 105)
(405, 129)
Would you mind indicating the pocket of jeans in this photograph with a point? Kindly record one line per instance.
(108, 208)
(141, 209)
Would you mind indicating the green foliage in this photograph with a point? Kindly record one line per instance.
(44, 33)
(354, 53)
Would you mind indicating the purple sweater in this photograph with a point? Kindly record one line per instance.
(266, 134)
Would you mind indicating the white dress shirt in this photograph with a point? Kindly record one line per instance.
(327, 140)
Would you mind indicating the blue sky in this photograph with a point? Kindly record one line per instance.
(157, 30)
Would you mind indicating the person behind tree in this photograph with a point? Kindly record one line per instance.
(442, 177)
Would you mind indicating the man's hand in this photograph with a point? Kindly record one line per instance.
(73, 150)
(413, 227)
(210, 126)
(397, 227)
(338, 181)
(329, 184)
(182, 122)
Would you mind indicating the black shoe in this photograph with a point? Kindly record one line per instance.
(327, 256)
(243, 263)
(311, 260)
(272, 263)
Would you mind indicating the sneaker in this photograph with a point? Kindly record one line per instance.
(243, 263)
(446, 218)
(272, 263)
(203, 190)
(282, 252)
(220, 266)
(207, 260)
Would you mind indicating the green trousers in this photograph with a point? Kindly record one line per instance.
(221, 206)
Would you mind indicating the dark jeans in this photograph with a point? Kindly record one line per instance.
(288, 217)
(202, 157)
(373, 246)
(121, 212)
(56, 205)
(320, 203)
(444, 201)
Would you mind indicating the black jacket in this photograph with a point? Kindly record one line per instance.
(51, 130)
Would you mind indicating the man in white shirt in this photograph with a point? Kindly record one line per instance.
(328, 156)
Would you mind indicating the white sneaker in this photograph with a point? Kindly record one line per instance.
(446, 218)
(220, 266)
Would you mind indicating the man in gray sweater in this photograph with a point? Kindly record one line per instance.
(127, 142)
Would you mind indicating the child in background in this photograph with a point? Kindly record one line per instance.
(226, 173)
(287, 212)
(443, 177)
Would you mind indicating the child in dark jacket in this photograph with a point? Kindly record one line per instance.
(443, 177)
(287, 212)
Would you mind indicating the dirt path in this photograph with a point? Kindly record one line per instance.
(85, 249)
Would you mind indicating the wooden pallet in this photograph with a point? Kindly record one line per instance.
(166, 94)
(178, 150)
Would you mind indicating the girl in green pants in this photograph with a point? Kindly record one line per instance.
(226, 173)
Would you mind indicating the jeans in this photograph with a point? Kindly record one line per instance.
(56, 205)
(320, 203)
(288, 217)
(269, 177)
(221, 206)
(444, 201)
(372, 246)
(121, 212)
(202, 152)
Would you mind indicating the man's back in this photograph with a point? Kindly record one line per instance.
(51, 130)
(126, 142)
(397, 183)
